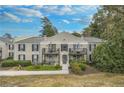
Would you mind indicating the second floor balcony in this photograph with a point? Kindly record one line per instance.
(77, 51)
(50, 51)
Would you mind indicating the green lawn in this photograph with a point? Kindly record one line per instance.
(88, 80)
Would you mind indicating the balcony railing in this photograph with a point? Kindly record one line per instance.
(50, 51)
(77, 51)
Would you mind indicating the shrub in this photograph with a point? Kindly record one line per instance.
(77, 67)
(24, 63)
(9, 58)
(12, 63)
(9, 63)
(82, 66)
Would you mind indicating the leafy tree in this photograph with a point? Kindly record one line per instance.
(7, 35)
(110, 55)
(76, 34)
(87, 32)
(47, 28)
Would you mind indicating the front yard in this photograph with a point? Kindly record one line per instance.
(87, 80)
(90, 77)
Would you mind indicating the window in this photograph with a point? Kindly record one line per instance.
(11, 47)
(52, 47)
(11, 54)
(0, 49)
(35, 58)
(43, 50)
(21, 47)
(35, 47)
(21, 57)
(76, 46)
(89, 47)
(64, 47)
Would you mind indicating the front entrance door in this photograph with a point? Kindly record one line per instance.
(64, 59)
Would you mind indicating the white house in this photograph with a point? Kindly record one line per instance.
(58, 49)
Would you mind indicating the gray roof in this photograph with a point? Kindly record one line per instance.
(31, 40)
(6, 40)
(16, 39)
(63, 37)
(92, 39)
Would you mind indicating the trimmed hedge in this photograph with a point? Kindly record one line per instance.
(12, 63)
(9, 58)
(42, 67)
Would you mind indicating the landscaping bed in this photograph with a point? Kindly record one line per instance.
(42, 68)
(12, 63)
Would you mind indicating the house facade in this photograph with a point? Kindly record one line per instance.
(6, 48)
(59, 49)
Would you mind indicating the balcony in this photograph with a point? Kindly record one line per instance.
(78, 51)
(48, 51)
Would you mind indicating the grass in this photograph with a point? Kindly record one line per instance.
(89, 80)
(42, 68)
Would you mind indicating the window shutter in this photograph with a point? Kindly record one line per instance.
(23, 57)
(24, 47)
(37, 47)
(32, 47)
(37, 57)
(19, 57)
(18, 47)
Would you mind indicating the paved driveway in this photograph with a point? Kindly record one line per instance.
(19, 73)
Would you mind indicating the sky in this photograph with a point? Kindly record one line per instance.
(26, 20)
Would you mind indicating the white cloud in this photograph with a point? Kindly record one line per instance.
(59, 10)
(52, 8)
(68, 9)
(66, 21)
(76, 19)
(29, 12)
(11, 16)
(84, 20)
(27, 20)
(37, 7)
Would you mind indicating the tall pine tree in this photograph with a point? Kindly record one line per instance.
(47, 28)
